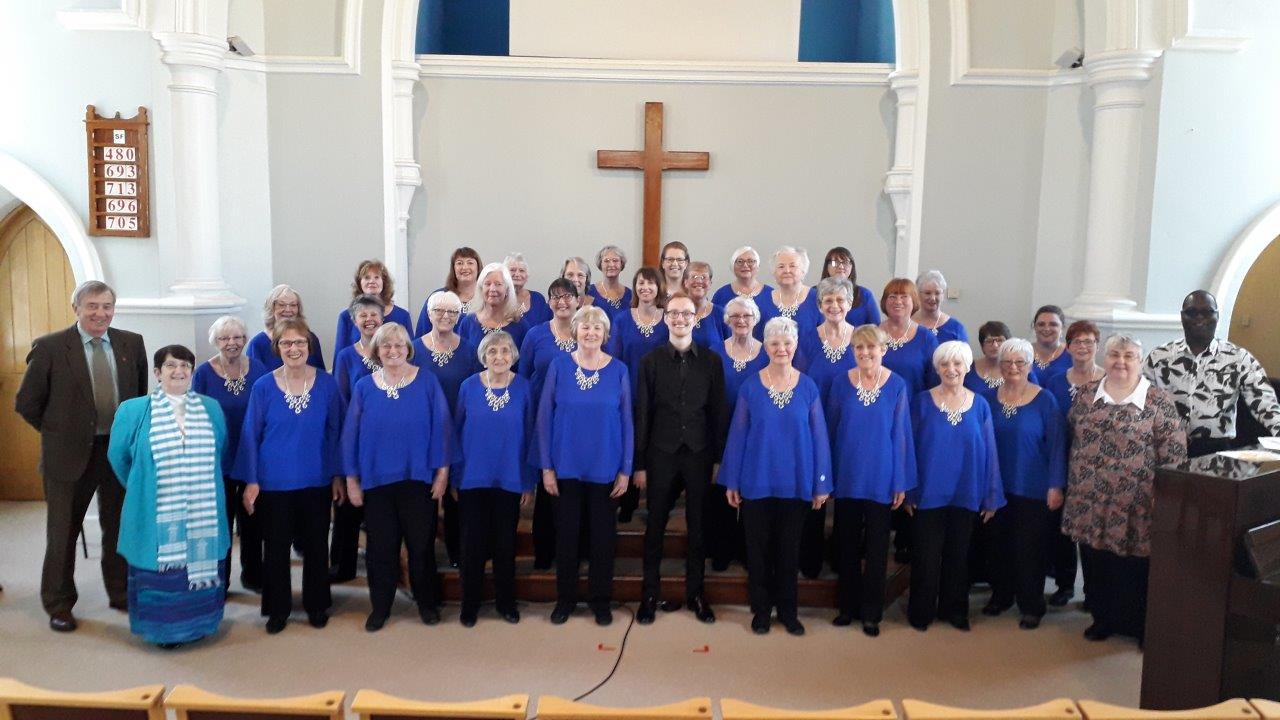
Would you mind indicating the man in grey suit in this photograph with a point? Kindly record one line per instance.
(74, 381)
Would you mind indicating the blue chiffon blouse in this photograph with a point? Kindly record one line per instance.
(873, 454)
(586, 434)
(956, 465)
(777, 452)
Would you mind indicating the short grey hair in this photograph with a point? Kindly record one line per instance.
(580, 263)
(361, 302)
(384, 334)
(783, 326)
(1121, 340)
(220, 326)
(804, 257)
(494, 338)
(511, 308)
(932, 276)
(269, 306)
(744, 250)
(90, 287)
(1016, 346)
(835, 286)
(515, 258)
(611, 249)
(441, 297)
(953, 350)
(747, 303)
(590, 314)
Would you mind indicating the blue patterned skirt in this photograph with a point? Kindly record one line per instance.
(164, 609)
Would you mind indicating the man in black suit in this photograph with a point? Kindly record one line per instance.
(74, 381)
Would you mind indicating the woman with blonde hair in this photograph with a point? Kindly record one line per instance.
(282, 303)
(372, 278)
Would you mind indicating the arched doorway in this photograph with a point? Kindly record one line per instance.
(35, 290)
(1255, 317)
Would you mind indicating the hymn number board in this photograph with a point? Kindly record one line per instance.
(119, 180)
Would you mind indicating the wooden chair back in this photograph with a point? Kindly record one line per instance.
(731, 709)
(1268, 709)
(1060, 709)
(191, 703)
(551, 707)
(374, 705)
(19, 701)
(1226, 710)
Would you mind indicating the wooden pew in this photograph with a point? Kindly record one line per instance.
(1268, 709)
(374, 705)
(731, 709)
(1060, 709)
(192, 703)
(1225, 710)
(19, 701)
(551, 707)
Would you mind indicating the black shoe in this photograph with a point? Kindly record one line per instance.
(1061, 597)
(275, 625)
(844, 619)
(604, 616)
(902, 557)
(1096, 633)
(375, 622)
(647, 611)
(62, 622)
(960, 622)
(250, 584)
(922, 627)
(1029, 622)
(561, 613)
(121, 605)
(793, 625)
(624, 516)
(169, 646)
(318, 619)
(719, 565)
(429, 614)
(337, 576)
(511, 616)
(701, 609)
(993, 608)
(760, 624)
(467, 618)
(871, 629)
(811, 572)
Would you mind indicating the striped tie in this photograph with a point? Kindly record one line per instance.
(104, 393)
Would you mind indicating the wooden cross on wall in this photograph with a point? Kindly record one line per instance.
(652, 160)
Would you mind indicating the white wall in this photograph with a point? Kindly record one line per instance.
(657, 29)
(510, 165)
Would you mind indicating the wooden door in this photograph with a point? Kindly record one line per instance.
(35, 298)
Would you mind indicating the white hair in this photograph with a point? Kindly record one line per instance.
(835, 286)
(515, 258)
(220, 326)
(494, 338)
(783, 326)
(1016, 346)
(269, 307)
(747, 303)
(744, 250)
(801, 252)
(932, 276)
(582, 265)
(953, 350)
(441, 297)
(1121, 340)
(511, 307)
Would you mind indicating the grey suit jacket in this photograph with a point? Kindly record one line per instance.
(56, 396)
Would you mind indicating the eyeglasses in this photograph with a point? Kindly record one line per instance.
(176, 365)
(564, 297)
(228, 338)
(286, 305)
(699, 278)
(675, 261)
(840, 262)
(286, 344)
(741, 318)
(681, 314)
(446, 313)
(993, 340)
(1083, 342)
(746, 262)
(1019, 364)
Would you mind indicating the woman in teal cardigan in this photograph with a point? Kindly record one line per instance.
(166, 449)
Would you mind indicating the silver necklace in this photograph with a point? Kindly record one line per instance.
(834, 354)
(393, 390)
(1044, 365)
(369, 362)
(936, 325)
(566, 344)
(1007, 408)
(585, 382)
(297, 403)
(789, 311)
(953, 416)
(780, 398)
(896, 343)
(235, 386)
(440, 357)
(993, 382)
(496, 402)
(647, 330)
(868, 396)
(615, 303)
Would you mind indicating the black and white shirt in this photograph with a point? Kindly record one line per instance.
(1205, 387)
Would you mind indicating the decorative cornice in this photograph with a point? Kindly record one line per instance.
(225, 304)
(1122, 66)
(748, 73)
(348, 63)
(189, 49)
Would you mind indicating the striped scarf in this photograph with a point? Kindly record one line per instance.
(186, 490)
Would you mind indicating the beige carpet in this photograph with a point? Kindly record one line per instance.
(995, 665)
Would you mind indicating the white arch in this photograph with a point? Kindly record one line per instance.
(29, 187)
(1244, 252)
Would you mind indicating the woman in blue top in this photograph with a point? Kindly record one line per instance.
(463, 278)
(533, 306)
(585, 448)
(372, 278)
(493, 478)
(839, 263)
(910, 345)
(709, 329)
(283, 303)
(777, 465)
(397, 442)
(166, 449)
(790, 297)
(290, 462)
(610, 294)
(873, 461)
(958, 475)
(933, 292)
(742, 357)
(227, 378)
(353, 363)
(1050, 351)
(494, 307)
(1031, 444)
(823, 355)
(745, 262)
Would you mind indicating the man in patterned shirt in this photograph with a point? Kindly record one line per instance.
(1206, 377)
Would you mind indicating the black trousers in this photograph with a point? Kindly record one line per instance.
(1198, 446)
(668, 475)
(629, 502)
(401, 512)
(452, 523)
(813, 542)
(1118, 592)
(544, 527)
(344, 547)
(250, 535)
(862, 534)
(488, 523)
(1023, 530)
(1062, 553)
(939, 564)
(67, 501)
(773, 527)
(722, 528)
(585, 503)
(289, 516)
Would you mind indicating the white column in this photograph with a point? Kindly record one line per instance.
(899, 180)
(1118, 79)
(408, 174)
(194, 63)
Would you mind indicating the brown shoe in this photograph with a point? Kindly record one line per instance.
(62, 622)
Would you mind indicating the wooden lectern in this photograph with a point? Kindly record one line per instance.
(1211, 622)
